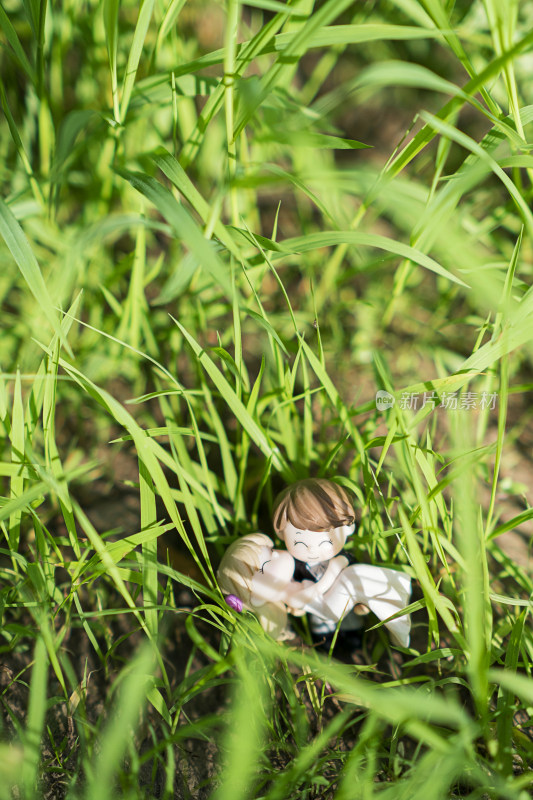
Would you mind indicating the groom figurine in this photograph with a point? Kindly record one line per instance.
(314, 517)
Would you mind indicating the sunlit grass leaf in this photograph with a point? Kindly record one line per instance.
(118, 550)
(145, 13)
(71, 127)
(514, 522)
(322, 374)
(311, 139)
(243, 57)
(16, 47)
(435, 601)
(36, 717)
(506, 704)
(307, 757)
(155, 697)
(273, 5)
(3, 398)
(17, 458)
(48, 404)
(283, 69)
(183, 225)
(421, 711)
(136, 683)
(171, 167)
(257, 239)
(520, 685)
(466, 141)
(356, 34)
(474, 586)
(255, 432)
(246, 727)
(518, 332)
(401, 73)
(146, 449)
(263, 322)
(21, 251)
(111, 8)
(169, 20)
(314, 241)
(424, 136)
(329, 35)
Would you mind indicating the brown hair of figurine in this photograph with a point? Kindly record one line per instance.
(313, 504)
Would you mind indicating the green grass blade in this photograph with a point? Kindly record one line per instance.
(272, 5)
(506, 703)
(147, 449)
(35, 719)
(21, 251)
(305, 244)
(141, 29)
(14, 42)
(282, 71)
(423, 137)
(169, 20)
(116, 739)
(17, 458)
(520, 685)
(183, 225)
(111, 31)
(246, 730)
(435, 601)
(305, 760)
(149, 549)
(466, 141)
(11, 769)
(475, 589)
(256, 433)
(171, 167)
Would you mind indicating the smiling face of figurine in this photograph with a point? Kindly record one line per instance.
(314, 546)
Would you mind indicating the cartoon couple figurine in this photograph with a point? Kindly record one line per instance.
(313, 575)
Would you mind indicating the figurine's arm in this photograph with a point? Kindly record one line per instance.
(335, 567)
(300, 594)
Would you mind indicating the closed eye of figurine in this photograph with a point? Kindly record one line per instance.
(263, 565)
(326, 541)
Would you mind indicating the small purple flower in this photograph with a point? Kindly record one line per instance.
(234, 602)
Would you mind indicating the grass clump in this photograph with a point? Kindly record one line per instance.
(224, 228)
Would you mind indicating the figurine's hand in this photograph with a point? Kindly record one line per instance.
(296, 612)
(340, 561)
(302, 593)
(334, 569)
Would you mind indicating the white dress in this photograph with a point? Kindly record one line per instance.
(384, 591)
